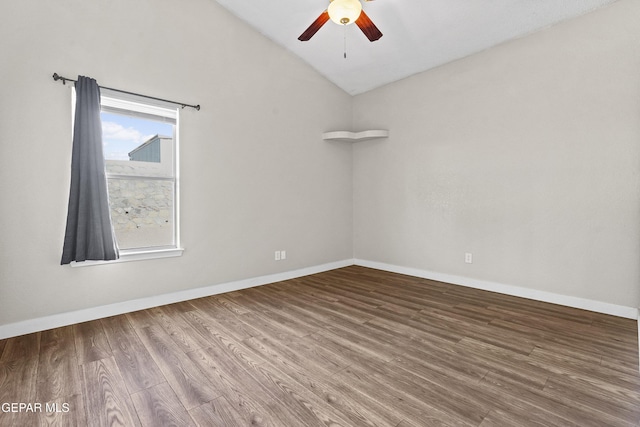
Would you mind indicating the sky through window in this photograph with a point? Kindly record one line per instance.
(121, 134)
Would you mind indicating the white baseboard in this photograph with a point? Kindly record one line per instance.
(85, 315)
(575, 302)
(79, 316)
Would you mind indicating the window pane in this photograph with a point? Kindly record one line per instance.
(140, 152)
(142, 212)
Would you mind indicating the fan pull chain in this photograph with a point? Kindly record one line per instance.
(345, 40)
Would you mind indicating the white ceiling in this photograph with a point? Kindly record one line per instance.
(418, 34)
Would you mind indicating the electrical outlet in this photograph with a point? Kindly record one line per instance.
(277, 256)
(283, 254)
(468, 257)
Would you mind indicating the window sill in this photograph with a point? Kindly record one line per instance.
(134, 255)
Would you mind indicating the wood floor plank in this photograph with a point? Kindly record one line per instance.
(629, 368)
(58, 373)
(585, 396)
(159, 406)
(219, 337)
(347, 291)
(287, 313)
(510, 397)
(68, 411)
(353, 404)
(560, 363)
(313, 411)
(578, 335)
(313, 376)
(268, 380)
(18, 378)
(403, 304)
(381, 341)
(231, 379)
(311, 289)
(140, 319)
(106, 398)
(321, 358)
(343, 349)
(436, 354)
(216, 317)
(275, 352)
(514, 366)
(183, 376)
(325, 313)
(473, 312)
(91, 342)
(355, 311)
(21, 347)
(136, 365)
(262, 325)
(403, 399)
(546, 316)
(442, 392)
(295, 327)
(499, 418)
(271, 382)
(442, 363)
(414, 328)
(219, 412)
(614, 323)
(514, 398)
(245, 394)
(170, 319)
(231, 305)
(356, 342)
(259, 300)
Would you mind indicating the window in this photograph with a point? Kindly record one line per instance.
(141, 160)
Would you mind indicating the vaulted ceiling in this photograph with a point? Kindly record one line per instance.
(418, 34)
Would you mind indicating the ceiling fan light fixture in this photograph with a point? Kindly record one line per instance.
(344, 12)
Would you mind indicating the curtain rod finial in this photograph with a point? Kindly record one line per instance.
(57, 77)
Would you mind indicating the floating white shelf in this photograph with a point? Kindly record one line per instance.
(345, 135)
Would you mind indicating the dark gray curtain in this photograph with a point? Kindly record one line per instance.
(89, 234)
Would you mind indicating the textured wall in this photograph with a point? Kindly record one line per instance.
(526, 155)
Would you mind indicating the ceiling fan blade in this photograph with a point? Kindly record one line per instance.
(368, 27)
(313, 28)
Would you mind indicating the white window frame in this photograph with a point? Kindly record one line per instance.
(131, 105)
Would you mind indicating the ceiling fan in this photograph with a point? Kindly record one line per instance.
(344, 12)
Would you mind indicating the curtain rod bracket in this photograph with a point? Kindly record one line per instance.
(197, 107)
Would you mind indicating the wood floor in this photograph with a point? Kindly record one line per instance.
(350, 347)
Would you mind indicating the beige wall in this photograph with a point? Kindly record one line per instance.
(256, 176)
(526, 155)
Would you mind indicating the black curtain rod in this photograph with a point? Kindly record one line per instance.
(57, 77)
